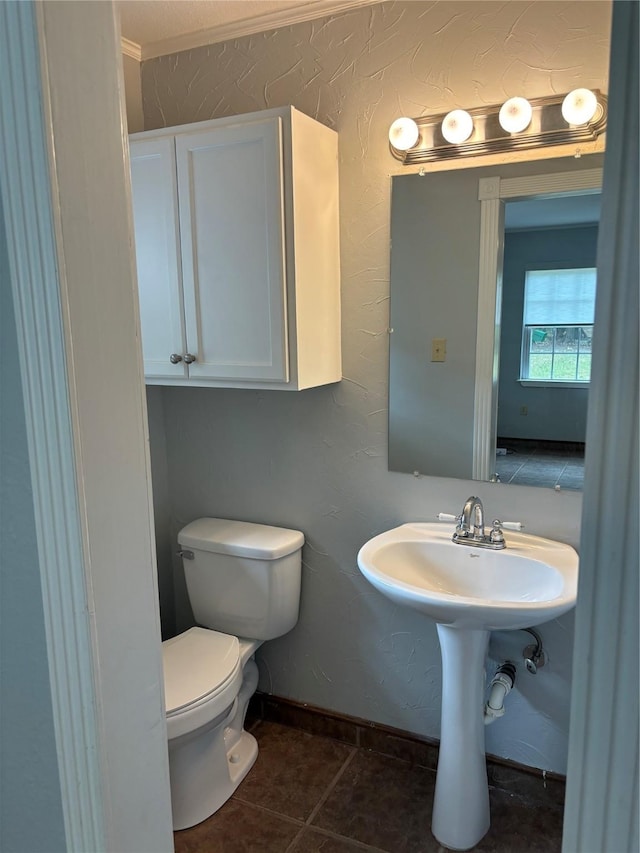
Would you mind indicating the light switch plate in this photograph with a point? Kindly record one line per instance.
(438, 349)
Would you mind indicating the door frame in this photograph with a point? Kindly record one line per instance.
(64, 174)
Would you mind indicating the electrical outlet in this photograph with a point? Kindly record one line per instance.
(524, 410)
(438, 349)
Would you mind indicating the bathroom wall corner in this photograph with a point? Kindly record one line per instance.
(161, 508)
(133, 93)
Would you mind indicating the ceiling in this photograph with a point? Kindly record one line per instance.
(582, 209)
(157, 27)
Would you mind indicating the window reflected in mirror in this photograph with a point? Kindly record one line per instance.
(557, 326)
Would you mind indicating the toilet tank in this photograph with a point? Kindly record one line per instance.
(242, 578)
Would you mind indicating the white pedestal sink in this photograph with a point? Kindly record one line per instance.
(468, 591)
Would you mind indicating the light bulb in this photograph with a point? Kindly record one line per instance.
(515, 115)
(403, 134)
(579, 106)
(457, 126)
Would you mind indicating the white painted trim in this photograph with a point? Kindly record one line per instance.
(30, 225)
(487, 345)
(561, 183)
(65, 181)
(551, 383)
(258, 24)
(492, 192)
(601, 810)
(87, 129)
(130, 48)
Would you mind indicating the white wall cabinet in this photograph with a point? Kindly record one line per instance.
(237, 245)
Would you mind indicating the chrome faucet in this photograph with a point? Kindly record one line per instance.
(470, 527)
(473, 516)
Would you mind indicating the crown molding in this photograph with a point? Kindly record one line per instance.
(130, 48)
(261, 23)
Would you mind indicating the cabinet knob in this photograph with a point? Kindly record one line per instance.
(188, 358)
(174, 358)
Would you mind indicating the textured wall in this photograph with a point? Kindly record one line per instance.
(165, 545)
(317, 460)
(133, 93)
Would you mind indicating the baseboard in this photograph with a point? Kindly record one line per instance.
(536, 785)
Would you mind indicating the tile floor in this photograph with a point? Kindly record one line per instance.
(313, 794)
(526, 464)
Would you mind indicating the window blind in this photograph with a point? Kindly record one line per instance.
(560, 297)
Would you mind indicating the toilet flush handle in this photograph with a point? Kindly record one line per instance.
(186, 555)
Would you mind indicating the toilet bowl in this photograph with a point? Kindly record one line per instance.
(238, 575)
(207, 689)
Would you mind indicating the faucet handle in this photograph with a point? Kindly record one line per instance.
(496, 535)
(447, 516)
(512, 525)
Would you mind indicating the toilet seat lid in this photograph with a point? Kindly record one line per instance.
(197, 664)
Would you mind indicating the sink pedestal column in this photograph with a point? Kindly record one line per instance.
(461, 801)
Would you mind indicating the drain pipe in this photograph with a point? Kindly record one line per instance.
(502, 683)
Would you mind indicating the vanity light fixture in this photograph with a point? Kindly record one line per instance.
(403, 134)
(457, 126)
(579, 107)
(515, 115)
(580, 116)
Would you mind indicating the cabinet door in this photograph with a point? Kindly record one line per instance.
(230, 186)
(155, 214)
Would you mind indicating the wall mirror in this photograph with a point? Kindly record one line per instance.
(488, 320)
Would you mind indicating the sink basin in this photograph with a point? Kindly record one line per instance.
(530, 582)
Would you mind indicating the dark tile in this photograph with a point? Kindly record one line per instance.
(350, 730)
(251, 724)
(548, 454)
(238, 828)
(254, 711)
(509, 468)
(548, 467)
(571, 479)
(312, 720)
(573, 486)
(536, 789)
(575, 475)
(575, 463)
(407, 749)
(384, 802)
(314, 841)
(517, 826)
(511, 463)
(292, 771)
(533, 479)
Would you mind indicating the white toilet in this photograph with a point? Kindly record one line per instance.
(243, 581)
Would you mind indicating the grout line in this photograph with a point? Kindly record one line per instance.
(517, 471)
(287, 818)
(327, 833)
(323, 799)
(296, 838)
(315, 810)
(561, 475)
(329, 789)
